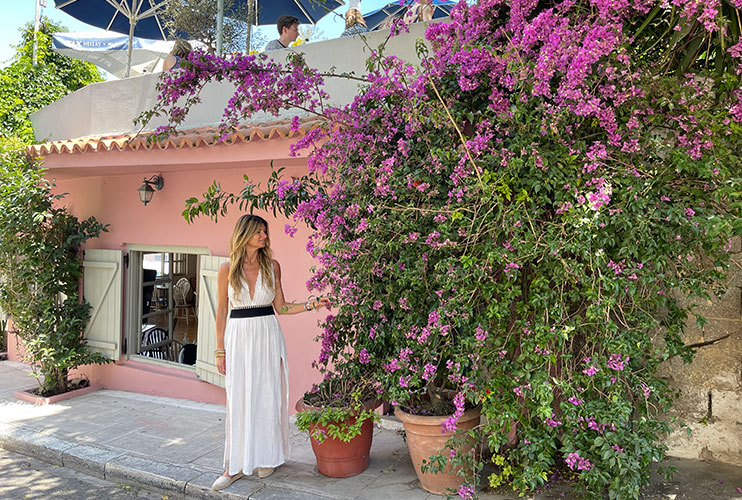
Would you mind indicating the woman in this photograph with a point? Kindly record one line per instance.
(252, 354)
(354, 23)
(180, 51)
(420, 11)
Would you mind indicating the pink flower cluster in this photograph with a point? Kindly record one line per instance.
(616, 363)
(575, 461)
(450, 424)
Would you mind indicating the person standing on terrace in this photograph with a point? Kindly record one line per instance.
(251, 353)
(180, 51)
(354, 23)
(288, 30)
(420, 11)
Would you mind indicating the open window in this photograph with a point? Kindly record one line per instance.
(162, 304)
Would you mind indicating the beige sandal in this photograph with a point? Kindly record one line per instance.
(224, 481)
(264, 472)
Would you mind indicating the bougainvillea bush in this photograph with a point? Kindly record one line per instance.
(514, 225)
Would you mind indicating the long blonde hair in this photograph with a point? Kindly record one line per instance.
(353, 17)
(247, 226)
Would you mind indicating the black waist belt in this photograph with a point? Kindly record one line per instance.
(251, 312)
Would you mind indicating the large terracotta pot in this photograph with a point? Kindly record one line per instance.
(336, 458)
(424, 439)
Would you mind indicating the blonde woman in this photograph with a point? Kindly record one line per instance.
(180, 51)
(251, 352)
(354, 23)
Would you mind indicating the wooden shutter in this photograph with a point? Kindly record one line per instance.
(102, 288)
(207, 276)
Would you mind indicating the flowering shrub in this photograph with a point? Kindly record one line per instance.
(514, 224)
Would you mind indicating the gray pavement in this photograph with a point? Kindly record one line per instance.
(174, 447)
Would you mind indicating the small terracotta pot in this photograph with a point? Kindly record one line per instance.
(425, 439)
(336, 458)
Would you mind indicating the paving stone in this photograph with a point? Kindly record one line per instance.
(93, 435)
(89, 459)
(148, 473)
(305, 477)
(390, 423)
(212, 459)
(284, 494)
(182, 447)
(200, 487)
(300, 449)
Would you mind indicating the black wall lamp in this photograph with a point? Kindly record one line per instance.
(147, 189)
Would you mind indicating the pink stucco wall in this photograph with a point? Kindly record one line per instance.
(104, 185)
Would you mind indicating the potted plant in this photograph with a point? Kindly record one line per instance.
(40, 272)
(338, 414)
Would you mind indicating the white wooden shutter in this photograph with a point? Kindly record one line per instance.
(102, 288)
(205, 363)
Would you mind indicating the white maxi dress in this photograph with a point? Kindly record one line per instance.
(257, 385)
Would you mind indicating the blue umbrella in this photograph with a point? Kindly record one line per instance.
(121, 16)
(441, 8)
(307, 11)
(133, 17)
(264, 12)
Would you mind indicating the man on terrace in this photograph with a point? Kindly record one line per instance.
(288, 29)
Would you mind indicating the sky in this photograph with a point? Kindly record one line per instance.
(16, 13)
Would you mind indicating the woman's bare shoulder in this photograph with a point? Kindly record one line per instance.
(224, 268)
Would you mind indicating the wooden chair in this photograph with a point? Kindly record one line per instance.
(182, 293)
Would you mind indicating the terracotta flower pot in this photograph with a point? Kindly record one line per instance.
(336, 458)
(424, 439)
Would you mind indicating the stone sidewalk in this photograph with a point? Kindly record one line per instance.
(175, 447)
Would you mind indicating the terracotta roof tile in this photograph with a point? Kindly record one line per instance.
(191, 138)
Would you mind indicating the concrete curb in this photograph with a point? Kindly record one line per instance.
(179, 481)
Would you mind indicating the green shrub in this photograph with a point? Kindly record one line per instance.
(41, 268)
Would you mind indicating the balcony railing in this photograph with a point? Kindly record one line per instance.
(109, 108)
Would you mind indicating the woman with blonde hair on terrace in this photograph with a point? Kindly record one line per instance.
(354, 23)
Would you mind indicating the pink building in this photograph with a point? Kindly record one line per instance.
(152, 277)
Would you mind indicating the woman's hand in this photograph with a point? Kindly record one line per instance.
(320, 302)
(221, 365)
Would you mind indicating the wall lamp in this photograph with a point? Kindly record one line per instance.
(147, 189)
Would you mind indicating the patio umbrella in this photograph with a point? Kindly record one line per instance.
(263, 12)
(441, 8)
(109, 51)
(133, 17)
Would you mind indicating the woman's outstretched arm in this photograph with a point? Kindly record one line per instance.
(283, 307)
